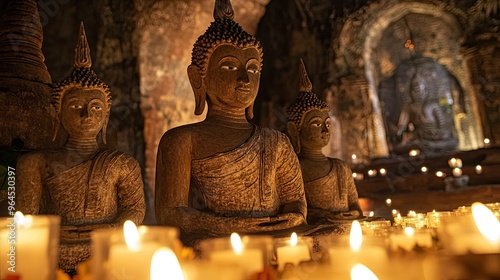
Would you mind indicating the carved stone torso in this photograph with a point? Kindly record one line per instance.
(249, 180)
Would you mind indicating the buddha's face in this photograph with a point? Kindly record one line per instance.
(83, 112)
(315, 130)
(233, 76)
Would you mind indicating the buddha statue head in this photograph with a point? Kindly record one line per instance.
(82, 100)
(308, 119)
(226, 64)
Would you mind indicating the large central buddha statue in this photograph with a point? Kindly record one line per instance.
(224, 174)
(87, 186)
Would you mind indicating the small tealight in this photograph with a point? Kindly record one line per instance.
(357, 176)
(414, 153)
(372, 173)
(486, 142)
(457, 172)
(388, 202)
(382, 171)
(440, 174)
(424, 169)
(371, 214)
(478, 169)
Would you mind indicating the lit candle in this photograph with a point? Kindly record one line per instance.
(252, 260)
(354, 159)
(479, 169)
(357, 176)
(372, 172)
(164, 265)
(424, 169)
(292, 253)
(412, 214)
(477, 233)
(361, 272)
(440, 174)
(409, 239)
(388, 202)
(371, 214)
(486, 142)
(457, 172)
(414, 153)
(455, 163)
(382, 171)
(29, 246)
(343, 257)
(131, 258)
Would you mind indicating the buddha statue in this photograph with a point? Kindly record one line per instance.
(329, 186)
(88, 187)
(225, 174)
(432, 129)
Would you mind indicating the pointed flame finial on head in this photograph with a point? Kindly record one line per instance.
(304, 82)
(223, 9)
(82, 50)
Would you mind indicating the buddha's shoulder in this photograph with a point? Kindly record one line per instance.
(38, 157)
(339, 162)
(270, 132)
(180, 134)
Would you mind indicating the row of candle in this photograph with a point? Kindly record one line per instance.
(455, 163)
(149, 252)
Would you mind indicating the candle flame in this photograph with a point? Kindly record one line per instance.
(356, 236)
(294, 239)
(164, 265)
(21, 220)
(486, 222)
(409, 231)
(131, 235)
(237, 244)
(361, 272)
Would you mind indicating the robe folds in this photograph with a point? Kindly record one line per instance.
(252, 180)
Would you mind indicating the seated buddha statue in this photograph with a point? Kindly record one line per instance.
(433, 128)
(329, 186)
(225, 174)
(88, 187)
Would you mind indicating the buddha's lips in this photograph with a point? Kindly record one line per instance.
(243, 89)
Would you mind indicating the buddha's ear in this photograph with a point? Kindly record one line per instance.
(103, 130)
(249, 111)
(293, 133)
(57, 123)
(199, 89)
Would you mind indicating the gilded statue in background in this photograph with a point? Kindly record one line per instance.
(329, 186)
(224, 174)
(88, 187)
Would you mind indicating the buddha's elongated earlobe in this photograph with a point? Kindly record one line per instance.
(57, 123)
(103, 130)
(293, 133)
(199, 89)
(249, 111)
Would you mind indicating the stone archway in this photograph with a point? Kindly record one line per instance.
(365, 56)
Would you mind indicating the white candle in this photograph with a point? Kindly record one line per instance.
(131, 259)
(354, 159)
(424, 169)
(409, 239)
(26, 247)
(457, 172)
(479, 169)
(372, 172)
(164, 265)
(293, 253)
(252, 260)
(455, 163)
(382, 171)
(342, 257)
(414, 153)
(388, 202)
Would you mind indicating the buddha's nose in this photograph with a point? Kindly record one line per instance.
(85, 112)
(243, 76)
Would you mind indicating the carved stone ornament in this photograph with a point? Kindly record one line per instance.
(224, 174)
(329, 186)
(88, 187)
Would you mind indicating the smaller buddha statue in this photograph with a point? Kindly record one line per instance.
(329, 186)
(225, 174)
(87, 186)
(433, 130)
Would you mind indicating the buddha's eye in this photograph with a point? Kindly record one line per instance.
(253, 70)
(76, 106)
(97, 107)
(317, 124)
(229, 67)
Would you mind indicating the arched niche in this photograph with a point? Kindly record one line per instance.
(372, 45)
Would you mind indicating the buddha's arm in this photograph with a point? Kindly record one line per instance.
(29, 183)
(290, 184)
(173, 174)
(131, 205)
(404, 119)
